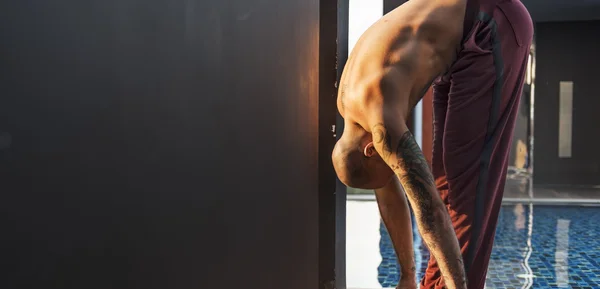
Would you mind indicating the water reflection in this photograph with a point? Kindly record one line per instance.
(519, 212)
(562, 253)
(528, 276)
(559, 248)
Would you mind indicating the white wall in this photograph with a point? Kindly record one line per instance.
(363, 13)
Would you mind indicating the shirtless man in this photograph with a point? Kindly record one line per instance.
(475, 53)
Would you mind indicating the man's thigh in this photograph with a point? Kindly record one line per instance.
(475, 108)
(485, 87)
(478, 102)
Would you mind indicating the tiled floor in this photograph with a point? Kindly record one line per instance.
(535, 247)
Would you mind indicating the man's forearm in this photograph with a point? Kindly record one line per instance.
(406, 159)
(395, 213)
(437, 232)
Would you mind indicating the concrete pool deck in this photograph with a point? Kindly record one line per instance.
(520, 190)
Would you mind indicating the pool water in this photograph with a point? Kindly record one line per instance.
(535, 247)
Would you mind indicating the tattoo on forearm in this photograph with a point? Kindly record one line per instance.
(411, 168)
(415, 176)
(414, 173)
(380, 135)
(411, 160)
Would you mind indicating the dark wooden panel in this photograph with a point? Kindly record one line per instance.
(162, 144)
(343, 13)
(332, 201)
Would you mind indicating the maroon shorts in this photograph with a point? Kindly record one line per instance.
(475, 108)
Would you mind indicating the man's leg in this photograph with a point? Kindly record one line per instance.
(473, 140)
(395, 213)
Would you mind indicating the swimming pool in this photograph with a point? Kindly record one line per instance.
(535, 247)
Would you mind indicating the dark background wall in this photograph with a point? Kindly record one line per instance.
(164, 144)
(567, 51)
(389, 5)
(560, 10)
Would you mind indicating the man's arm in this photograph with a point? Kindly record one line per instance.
(393, 140)
(398, 148)
(396, 217)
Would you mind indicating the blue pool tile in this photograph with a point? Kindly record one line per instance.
(559, 246)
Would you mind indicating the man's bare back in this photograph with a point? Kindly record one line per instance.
(405, 50)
